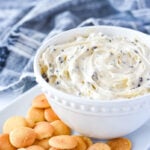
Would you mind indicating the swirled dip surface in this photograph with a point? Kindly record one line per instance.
(98, 67)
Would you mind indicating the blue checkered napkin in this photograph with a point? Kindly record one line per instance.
(24, 27)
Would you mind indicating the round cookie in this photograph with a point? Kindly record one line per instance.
(35, 115)
(22, 137)
(5, 143)
(40, 101)
(35, 147)
(63, 142)
(50, 115)
(120, 144)
(81, 144)
(14, 122)
(87, 141)
(52, 148)
(30, 122)
(99, 146)
(43, 130)
(32, 147)
(60, 128)
(43, 143)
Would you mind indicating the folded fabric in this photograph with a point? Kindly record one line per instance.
(31, 23)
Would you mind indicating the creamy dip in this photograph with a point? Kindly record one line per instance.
(98, 67)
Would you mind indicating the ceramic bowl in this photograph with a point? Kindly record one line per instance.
(103, 119)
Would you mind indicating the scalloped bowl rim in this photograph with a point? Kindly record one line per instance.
(74, 98)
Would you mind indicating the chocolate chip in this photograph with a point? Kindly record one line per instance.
(94, 47)
(61, 60)
(95, 76)
(140, 79)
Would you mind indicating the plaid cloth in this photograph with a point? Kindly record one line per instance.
(25, 24)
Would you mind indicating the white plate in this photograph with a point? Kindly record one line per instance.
(140, 138)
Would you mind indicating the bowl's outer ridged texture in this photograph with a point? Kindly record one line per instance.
(98, 119)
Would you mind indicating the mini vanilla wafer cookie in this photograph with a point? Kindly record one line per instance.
(120, 144)
(5, 143)
(40, 101)
(60, 128)
(43, 143)
(87, 140)
(43, 130)
(81, 144)
(52, 148)
(14, 122)
(35, 147)
(35, 114)
(22, 137)
(63, 142)
(99, 146)
(50, 115)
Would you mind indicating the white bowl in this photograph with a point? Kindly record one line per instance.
(96, 118)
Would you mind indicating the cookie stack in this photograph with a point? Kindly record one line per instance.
(42, 129)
